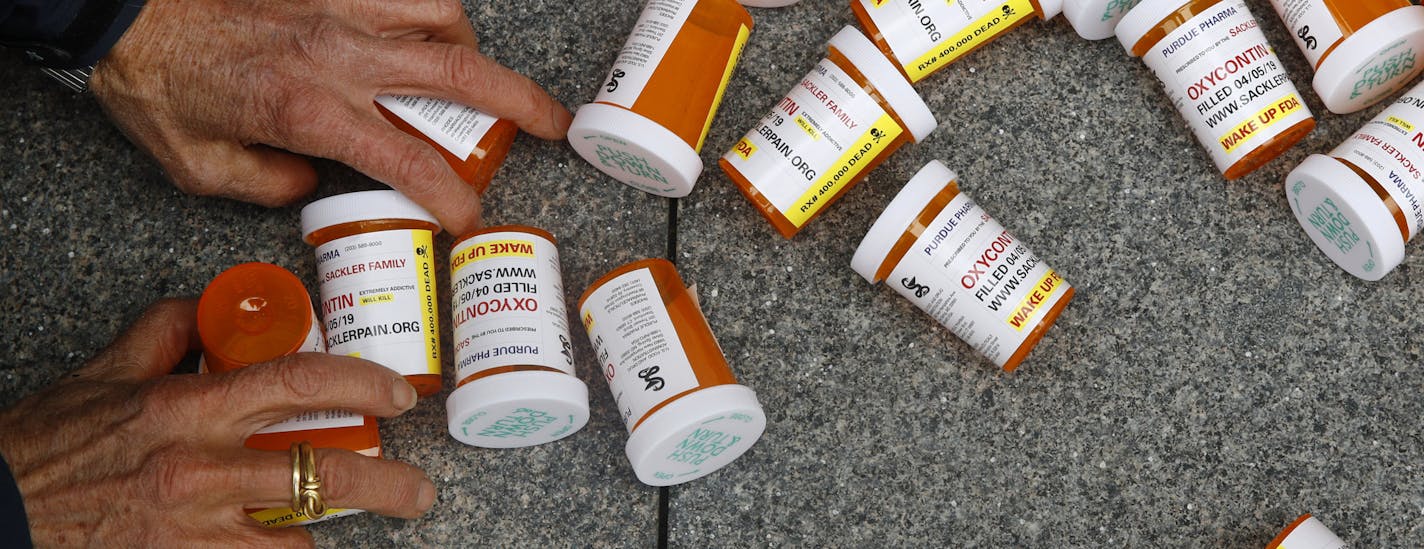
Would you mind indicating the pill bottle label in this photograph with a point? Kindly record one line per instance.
(637, 346)
(1312, 25)
(378, 299)
(979, 281)
(508, 304)
(1391, 149)
(455, 127)
(644, 51)
(928, 34)
(814, 142)
(330, 419)
(1224, 77)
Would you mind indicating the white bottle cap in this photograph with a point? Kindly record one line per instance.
(902, 211)
(517, 409)
(1086, 16)
(361, 206)
(1375, 244)
(768, 3)
(1399, 31)
(888, 80)
(1142, 19)
(1051, 8)
(635, 150)
(1307, 533)
(695, 435)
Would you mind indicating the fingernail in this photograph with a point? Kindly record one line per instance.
(426, 499)
(403, 394)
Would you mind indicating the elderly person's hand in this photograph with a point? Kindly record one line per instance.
(222, 92)
(122, 454)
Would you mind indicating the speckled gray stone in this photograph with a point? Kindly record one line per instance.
(1215, 377)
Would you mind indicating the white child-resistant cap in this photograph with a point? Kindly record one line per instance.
(695, 435)
(1050, 8)
(635, 150)
(1142, 19)
(360, 206)
(768, 3)
(1091, 18)
(517, 409)
(1308, 534)
(887, 79)
(1399, 32)
(1344, 217)
(902, 211)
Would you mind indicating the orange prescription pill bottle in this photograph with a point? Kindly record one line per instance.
(513, 356)
(1365, 200)
(686, 415)
(922, 37)
(768, 3)
(835, 125)
(652, 113)
(256, 312)
(376, 269)
(472, 142)
(1306, 532)
(938, 248)
(1362, 50)
(1223, 76)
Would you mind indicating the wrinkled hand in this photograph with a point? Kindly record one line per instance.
(122, 454)
(219, 90)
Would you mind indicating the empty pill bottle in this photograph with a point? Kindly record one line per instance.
(686, 415)
(938, 248)
(1306, 532)
(513, 355)
(1361, 203)
(472, 142)
(836, 124)
(651, 116)
(1362, 50)
(257, 312)
(1223, 76)
(375, 267)
(923, 37)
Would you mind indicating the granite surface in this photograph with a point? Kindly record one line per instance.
(1215, 376)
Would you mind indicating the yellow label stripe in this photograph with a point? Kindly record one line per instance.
(1246, 131)
(742, 35)
(1033, 303)
(835, 179)
(1000, 19)
(426, 293)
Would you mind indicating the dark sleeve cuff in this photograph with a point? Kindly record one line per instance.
(14, 525)
(88, 38)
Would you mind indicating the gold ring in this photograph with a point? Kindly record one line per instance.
(306, 485)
